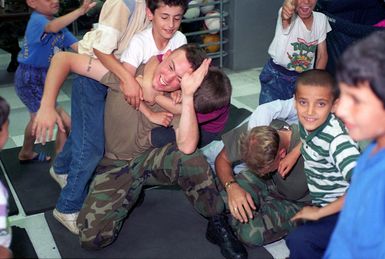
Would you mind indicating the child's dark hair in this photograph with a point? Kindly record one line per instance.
(364, 61)
(4, 112)
(194, 54)
(214, 92)
(318, 77)
(154, 4)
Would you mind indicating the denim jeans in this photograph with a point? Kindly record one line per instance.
(84, 147)
(276, 83)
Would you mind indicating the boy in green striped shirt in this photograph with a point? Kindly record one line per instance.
(329, 158)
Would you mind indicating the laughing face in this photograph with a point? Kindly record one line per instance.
(304, 8)
(313, 104)
(165, 21)
(169, 72)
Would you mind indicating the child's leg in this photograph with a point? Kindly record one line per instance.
(61, 137)
(26, 152)
(63, 63)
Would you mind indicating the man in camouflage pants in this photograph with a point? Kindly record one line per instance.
(261, 200)
(117, 184)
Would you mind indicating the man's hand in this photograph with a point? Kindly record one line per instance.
(191, 82)
(307, 213)
(240, 203)
(86, 6)
(44, 121)
(288, 9)
(132, 93)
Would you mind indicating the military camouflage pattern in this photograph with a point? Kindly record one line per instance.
(117, 185)
(271, 219)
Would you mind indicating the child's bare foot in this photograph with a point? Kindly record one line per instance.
(40, 157)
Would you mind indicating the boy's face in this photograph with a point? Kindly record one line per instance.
(304, 8)
(169, 73)
(313, 104)
(362, 112)
(4, 134)
(45, 7)
(165, 21)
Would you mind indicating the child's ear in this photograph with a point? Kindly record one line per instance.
(149, 14)
(335, 105)
(31, 3)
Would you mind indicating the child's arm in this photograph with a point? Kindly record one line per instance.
(287, 163)
(322, 56)
(288, 9)
(59, 23)
(316, 213)
(161, 118)
(168, 104)
(240, 202)
(61, 65)
(129, 86)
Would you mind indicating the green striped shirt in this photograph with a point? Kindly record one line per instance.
(330, 156)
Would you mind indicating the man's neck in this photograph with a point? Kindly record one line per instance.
(285, 138)
(149, 92)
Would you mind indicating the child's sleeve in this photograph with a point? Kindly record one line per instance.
(113, 21)
(345, 153)
(134, 53)
(324, 27)
(278, 109)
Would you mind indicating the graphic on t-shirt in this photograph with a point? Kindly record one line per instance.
(303, 55)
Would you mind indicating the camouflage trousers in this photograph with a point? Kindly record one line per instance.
(271, 219)
(117, 185)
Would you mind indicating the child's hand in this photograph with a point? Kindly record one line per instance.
(288, 9)
(286, 164)
(132, 94)
(86, 6)
(307, 213)
(44, 121)
(240, 203)
(161, 118)
(191, 82)
(176, 96)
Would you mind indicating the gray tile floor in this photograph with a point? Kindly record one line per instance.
(245, 95)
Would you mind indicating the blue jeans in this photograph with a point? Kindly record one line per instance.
(84, 147)
(277, 83)
(311, 239)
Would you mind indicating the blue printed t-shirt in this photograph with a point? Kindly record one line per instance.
(38, 46)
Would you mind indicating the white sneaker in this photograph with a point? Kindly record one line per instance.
(61, 179)
(68, 220)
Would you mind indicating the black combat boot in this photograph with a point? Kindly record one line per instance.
(220, 233)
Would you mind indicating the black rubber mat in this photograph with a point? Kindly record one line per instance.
(36, 190)
(21, 245)
(164, 226)
(12, 207)
(236, 117)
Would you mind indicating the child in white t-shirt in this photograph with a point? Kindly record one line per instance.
(300, 33)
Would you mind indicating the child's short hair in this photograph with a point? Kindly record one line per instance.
(194, 54)
(318, 77)
(154, 4)
(4, 112)
(364, 61)
(214, 92)
(259, 148)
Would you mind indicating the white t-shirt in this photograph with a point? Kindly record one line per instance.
(142, 47)
(294, 48)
